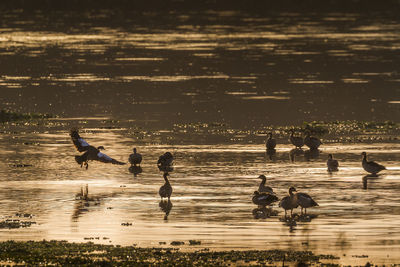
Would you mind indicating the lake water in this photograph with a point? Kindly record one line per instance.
(211, 201)
(154, 80)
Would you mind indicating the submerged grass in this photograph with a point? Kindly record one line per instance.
(9, 116)
(60, 253)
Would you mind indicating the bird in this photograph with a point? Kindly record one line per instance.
(305, 201)
(166, 189)
(262, 187)
(288, 202)
(371, 166)
(332, 164)
(311, 142)
(296, 140)
(271, 143)
(135, 158)
(91, 152)
(165, 159)
(264, 199)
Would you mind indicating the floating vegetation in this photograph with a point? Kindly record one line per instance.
(90, 254)
(177, 243)
(21, 165)
(126, 224)
(15, 223)
(8, 116)
(194, 242)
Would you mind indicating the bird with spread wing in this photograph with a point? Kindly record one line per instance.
(91, 152)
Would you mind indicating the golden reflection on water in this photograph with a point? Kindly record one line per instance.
(211, 201)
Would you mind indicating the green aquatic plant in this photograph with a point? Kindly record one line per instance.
(8, 116)
(61, 253)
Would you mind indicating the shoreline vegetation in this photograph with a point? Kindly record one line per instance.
(11, 116)
(60, 253)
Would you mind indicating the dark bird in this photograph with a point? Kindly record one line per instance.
(271, 143)
(288, 202)
(262, 187)
(371, 166)
(166, 159)
(135, 158)
(91, 152)
(332, 164)
(264, 199)
(305, 201)
(296, 140)
(312, 142)
(166, 189)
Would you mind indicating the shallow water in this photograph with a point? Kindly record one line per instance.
(211, 201)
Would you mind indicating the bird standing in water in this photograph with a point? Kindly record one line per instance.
(264, 199)
(166, 189)
(305, 201)
(135, 158)
(296, 140)
(271, 143)
(312, 142)
(91, 152)
(262, 187)
(332, 164)
(371, 166)
(288, 202)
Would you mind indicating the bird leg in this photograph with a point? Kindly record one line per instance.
(87, 165)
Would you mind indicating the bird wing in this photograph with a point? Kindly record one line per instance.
(376, 165)
(304, 198)
(106, 159)
(80, 143)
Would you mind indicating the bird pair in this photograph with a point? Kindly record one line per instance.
(369, 166)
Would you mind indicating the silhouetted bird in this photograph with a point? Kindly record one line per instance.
(271, 143)
(264, 199)
(296, 140)
(166, 159)
(135, 158)
(332, 164)
(305, 201)
(371, 166)
(311, 142)
(288, 202)
(91, 153)
(166, 189)
(262, 187)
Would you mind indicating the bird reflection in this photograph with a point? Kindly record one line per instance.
(271, 153)
(165, 206)
(135, 170)
(311, 154)
(264, 212)
(82, 202)
(295, 152)
(368, 177)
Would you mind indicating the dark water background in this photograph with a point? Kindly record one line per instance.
(156, 65)
(156, 75)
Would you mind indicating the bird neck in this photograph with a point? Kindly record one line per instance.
(263, 181)
(364, 158)
(166, 179)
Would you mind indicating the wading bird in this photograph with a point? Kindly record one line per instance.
(332, 164)
(135, 158)
(91, 152)
(312, 142)
(262, 187)
(166, 189)
(371, 166)
(305, 201)
(296, 140)
(271, 143)
(288, 202)
(264, 199)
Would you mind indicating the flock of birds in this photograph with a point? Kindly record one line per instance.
(263, 197)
